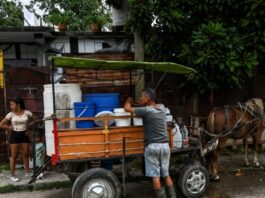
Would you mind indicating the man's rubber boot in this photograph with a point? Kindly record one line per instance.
(160, 193)
(171, 193)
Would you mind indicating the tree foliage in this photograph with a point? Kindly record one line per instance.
(222, 39)
(11, 13)
(78, 14)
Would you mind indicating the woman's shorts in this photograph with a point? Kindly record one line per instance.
(18, 137)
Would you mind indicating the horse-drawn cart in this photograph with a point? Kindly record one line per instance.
(88, 146)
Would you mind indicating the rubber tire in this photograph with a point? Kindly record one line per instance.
(93, 174)
(183, 175)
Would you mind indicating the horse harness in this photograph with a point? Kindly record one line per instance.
(238, 125)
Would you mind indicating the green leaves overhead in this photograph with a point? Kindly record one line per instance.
(77, 14)
(141, 16)
(224, 40)
(220, 55)
(11, 13)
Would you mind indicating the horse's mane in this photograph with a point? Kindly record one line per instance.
(254, 104)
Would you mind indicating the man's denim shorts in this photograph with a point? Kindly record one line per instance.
(157, 158)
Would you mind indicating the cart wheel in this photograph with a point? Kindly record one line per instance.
(193, 180)
(96, 182)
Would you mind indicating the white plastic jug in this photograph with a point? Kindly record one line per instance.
(185, 137)
(177, 137)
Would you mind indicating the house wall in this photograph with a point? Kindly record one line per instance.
(32, 54)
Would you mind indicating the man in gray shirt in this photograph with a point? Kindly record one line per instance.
(156, 141)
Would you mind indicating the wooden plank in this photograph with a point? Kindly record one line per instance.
(76, 132)
(82, 138)
(81, 148)
(95, 143)
(100, 154)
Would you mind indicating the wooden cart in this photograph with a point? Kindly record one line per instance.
(77, 147)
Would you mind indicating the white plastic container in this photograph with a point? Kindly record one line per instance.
(169, 117)
(124, 121)
(65, 96)
(185, 137)
(177, 137)
(137, 121)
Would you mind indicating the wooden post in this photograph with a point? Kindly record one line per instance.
(106, 133)
(1, 69)
(139, 56)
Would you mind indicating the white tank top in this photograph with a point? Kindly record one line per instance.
(19, 122)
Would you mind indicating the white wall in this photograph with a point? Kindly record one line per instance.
(89, 45)
(36, 51)
(58, 43)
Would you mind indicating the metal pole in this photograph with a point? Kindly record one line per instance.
(160, 80)
(123, 166)
(53, 88)
(152, 78)
(5, 108)
(5, 96)
(131, 91)
(34, 149)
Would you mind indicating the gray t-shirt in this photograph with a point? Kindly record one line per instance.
(155, 124)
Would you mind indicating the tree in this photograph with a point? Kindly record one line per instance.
(77, 13)
(11, 13)
(223, 40)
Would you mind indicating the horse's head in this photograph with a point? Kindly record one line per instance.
(256, 105)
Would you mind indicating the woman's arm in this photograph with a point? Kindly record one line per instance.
(32, 120)
(4, 125)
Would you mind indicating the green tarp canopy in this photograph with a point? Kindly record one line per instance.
(70, 62)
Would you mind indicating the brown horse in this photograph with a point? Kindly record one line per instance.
(235, 122)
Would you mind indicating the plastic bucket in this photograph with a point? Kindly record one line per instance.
(122, 122)
(104, 108)
(103, 101)
(83, 110)
(137, 121)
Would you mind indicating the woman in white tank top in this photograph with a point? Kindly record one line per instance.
(16, 123)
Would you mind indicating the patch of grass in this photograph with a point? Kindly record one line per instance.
(36, 187)
(52, 185)
(10, 188)
(4, 167)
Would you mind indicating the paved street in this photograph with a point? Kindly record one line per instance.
(143, 190)
(249, 184)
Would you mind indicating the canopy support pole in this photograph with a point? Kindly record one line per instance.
(152, 78)
(131, 89)
(53, 87)
(160, 80)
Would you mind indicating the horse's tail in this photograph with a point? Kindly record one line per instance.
(210, 122)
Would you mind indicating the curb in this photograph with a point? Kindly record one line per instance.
(36, 187)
